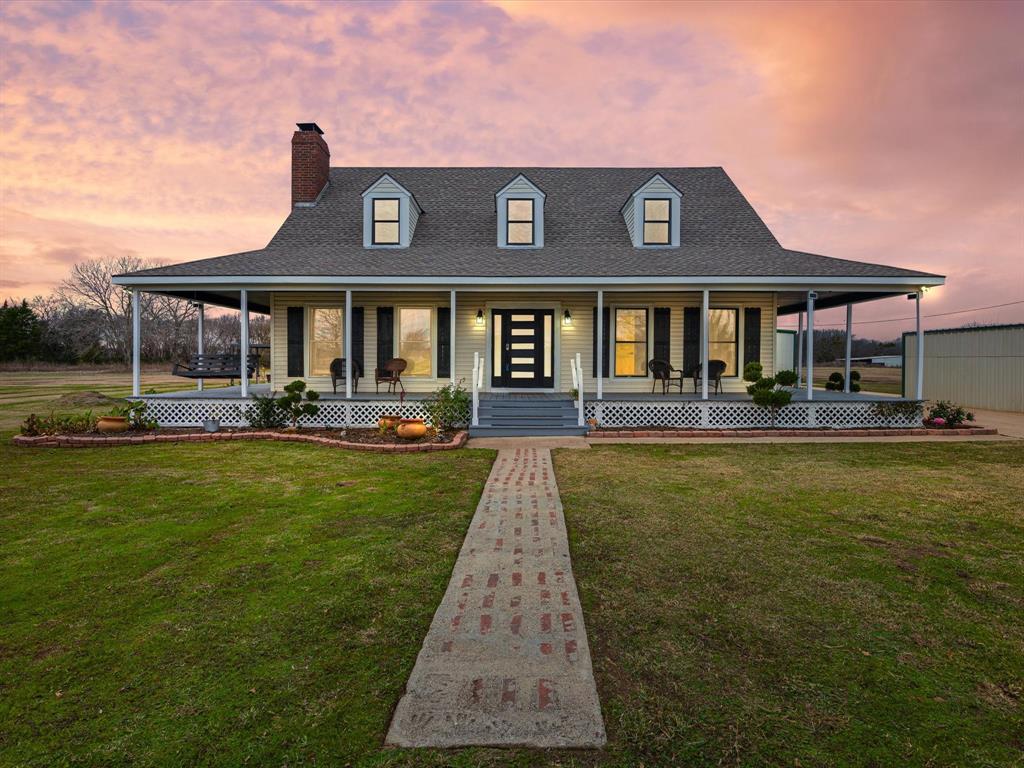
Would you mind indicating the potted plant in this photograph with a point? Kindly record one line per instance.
(112, 423)
(411, 429)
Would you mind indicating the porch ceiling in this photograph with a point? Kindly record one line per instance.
(791, 302)
(259, 301)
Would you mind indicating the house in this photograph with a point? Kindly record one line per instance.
(550, 281)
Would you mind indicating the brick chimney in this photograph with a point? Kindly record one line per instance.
(311, 163)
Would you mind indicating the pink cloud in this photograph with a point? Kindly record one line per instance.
(881, 132)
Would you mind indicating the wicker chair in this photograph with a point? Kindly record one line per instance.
(338, 373)
(715, 370)
(662, 371)
(390, 374)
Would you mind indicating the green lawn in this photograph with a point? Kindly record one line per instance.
(219, 604)
(803, 605)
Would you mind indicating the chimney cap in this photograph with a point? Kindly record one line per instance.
(310, 127)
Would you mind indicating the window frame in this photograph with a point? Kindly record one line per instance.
(736, 342)
(509, 221)
(374, 220)
(311, 310)
(645, 221)
(432, 315)
(615, 341)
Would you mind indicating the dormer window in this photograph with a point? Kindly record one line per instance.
(520, 221)
(652, 214)
(390, 214)
(520, 208)
(657, 218)
(386, 221)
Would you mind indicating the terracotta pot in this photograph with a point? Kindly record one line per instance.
(388, 421)
(411, 429)
(112, 424)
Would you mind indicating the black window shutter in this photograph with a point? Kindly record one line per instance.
(663, 334)
(357, 341)
(691, 340)
(296, 342)
(607, 333)
(385, 335)
(444, 342)
(752, 335)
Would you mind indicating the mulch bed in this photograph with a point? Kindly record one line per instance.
(352, 439)
(612, 432)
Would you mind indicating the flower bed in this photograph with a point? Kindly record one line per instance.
(352, 439)
(666, 432)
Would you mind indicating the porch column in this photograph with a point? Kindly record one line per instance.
(136, 344)
(451, 335)
(243, 339)
(600, 345)
(705, 315)
(799, 349)
(920, 349)
(849, 347)
(348, 344)
(811, 296)
(199, 336)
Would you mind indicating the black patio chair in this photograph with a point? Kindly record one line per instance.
(663, 371)
(338, 373)
(715, 370)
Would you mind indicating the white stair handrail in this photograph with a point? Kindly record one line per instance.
(476, 389)
(578, 377)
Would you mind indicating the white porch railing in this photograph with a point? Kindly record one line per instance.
(476, 389)
(577, 384)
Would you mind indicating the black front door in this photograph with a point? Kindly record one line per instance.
(523, 348)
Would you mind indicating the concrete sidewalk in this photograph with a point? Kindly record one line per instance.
(506, 661)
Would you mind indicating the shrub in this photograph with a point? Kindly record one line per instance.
(264, 413)
(897, 411)
(67, 424)
(135, 412)
(752, 371)
(448, 407)
(767, 393)
(953, 414)
(292, 404)
(785, 378)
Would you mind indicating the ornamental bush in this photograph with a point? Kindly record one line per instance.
(448, 407)
(264, 413)
(292, 404)
(767, 393)
(752, 371)
(785, 378)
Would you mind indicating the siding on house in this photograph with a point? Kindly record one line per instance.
(577, 337)
(974, 367)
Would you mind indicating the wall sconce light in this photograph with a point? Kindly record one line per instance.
(479, 317)
(567, 318)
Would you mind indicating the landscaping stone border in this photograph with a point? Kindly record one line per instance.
(104, 441)
(668, 433)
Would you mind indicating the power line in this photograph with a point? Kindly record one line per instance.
(912, 317)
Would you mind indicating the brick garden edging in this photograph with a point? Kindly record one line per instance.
(914, 432)
(104, 441)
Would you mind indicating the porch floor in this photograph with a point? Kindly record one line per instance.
(235, 393)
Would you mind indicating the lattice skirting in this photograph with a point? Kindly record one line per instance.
(689, 414)
(191, 412)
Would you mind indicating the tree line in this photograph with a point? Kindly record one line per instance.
(88, 319)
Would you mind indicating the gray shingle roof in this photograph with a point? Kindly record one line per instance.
(584, 234)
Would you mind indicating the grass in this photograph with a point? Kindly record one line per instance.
(803, 605)
(225, 604)
(885, 381)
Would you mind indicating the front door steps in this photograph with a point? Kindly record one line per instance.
(525, 415)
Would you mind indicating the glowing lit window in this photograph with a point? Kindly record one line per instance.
(325, 339)
(385, 221)
(414, 340)
(722, 338)
(630, 342)
(657, 216)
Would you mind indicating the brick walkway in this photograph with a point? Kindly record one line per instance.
(506, 660)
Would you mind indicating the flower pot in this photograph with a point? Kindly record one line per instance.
(211, 425)
(411, 429)
(388, 421)
(112, 424)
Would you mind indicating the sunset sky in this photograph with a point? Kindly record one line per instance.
(891, 133)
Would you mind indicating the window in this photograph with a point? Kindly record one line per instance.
(657, 216)
(414, 342)
(722, 338)
(520, 222)
(630, 342)
(385, 221)
(325, 339)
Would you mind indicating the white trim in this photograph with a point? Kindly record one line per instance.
(452, 327)
(581, 283)
(243, 341)
(919, 389)
(136, 344)
(705, 316)
(347, 334)
(200, 342)
(811, 295)
(599, 322)
(849, 347)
